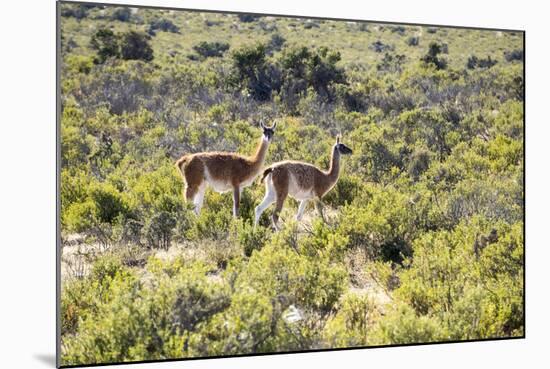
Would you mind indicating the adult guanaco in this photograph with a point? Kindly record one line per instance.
(300, 180)
(223, 171)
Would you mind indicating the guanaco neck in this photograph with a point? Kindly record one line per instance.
(334, 169)
(261, 151)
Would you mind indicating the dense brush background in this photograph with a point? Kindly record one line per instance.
(434, 116)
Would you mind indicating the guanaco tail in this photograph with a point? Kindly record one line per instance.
(302, 181)
(223, 171)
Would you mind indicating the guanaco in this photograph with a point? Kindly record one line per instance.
(223, 171)
(302, 181)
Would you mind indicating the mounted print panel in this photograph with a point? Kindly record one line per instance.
(243, 184)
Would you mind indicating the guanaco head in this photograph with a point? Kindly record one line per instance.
(342, 149)
(268, 131)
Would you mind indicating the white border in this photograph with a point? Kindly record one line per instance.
(27, 192)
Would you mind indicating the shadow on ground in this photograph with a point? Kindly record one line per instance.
(48, 359)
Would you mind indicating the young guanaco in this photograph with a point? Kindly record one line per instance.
(300, 180)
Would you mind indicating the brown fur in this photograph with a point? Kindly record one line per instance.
(300, 180)
(307, 175)
(230, 168)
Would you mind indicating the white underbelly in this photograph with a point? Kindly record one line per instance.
(298, 193)
(217, 184)
(224, 186)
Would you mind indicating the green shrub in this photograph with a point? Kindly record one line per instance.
(276, 43)
(432, 56)
(247, 18)
(80, 216)
(378, 153)
(81, 298)
(252, 238)
(79, 63)
(135, 321)
(158, 230)
(74, 186)
(212, 223)
(447, 280)
(106, 43)
(381, 227)
(346, 190)
(162, 24)
(391, 63)
(135, 46)
(96, 211)
(243, 328)
(75, 146)
(514, 55)
(314, 283)
(129, 45)
(419, 162)
(159, 190)
(110, 203)
(475, 62)
(251, 71)
(211, 49)
(413, 41)
(402, 326)
(378, 46)
(322, 241)
(351, 325)
(302, 68)
(74, 10)
(122, 14)
(74, 304)
(105, 269)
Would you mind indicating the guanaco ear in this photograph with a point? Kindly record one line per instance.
(262, 124)
(274, 125)
(337, 139)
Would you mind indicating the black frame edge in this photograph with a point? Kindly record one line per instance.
(58, 184)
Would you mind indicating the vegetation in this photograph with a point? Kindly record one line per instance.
(130, 45)
(432, 56)
(162, 24)
(211, 49)
(424, 239)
